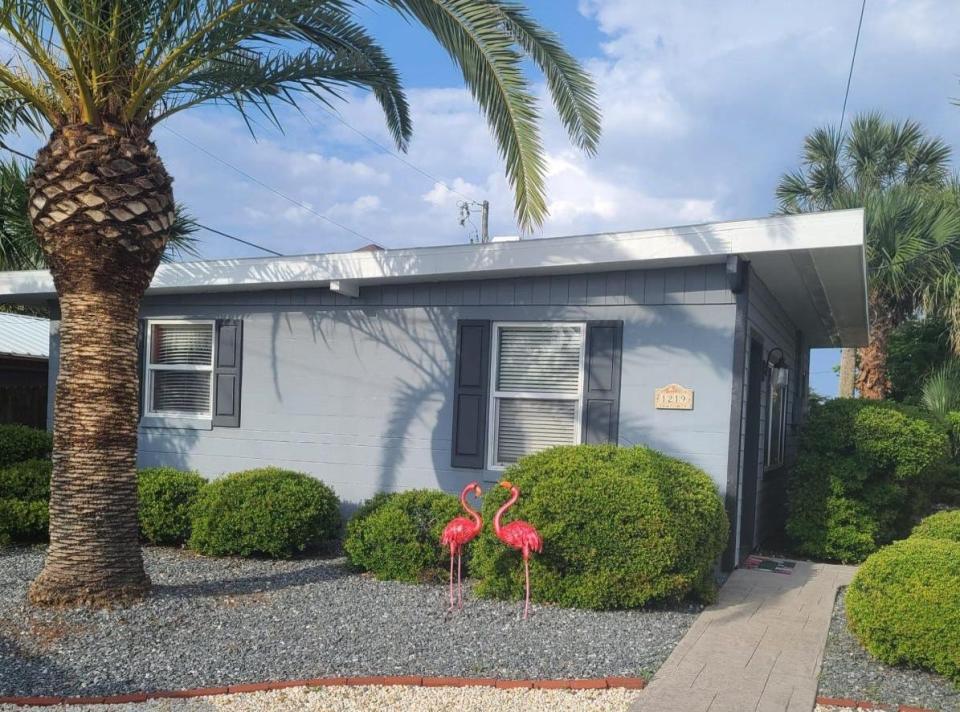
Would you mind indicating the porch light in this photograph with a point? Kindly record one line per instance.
(780, 373)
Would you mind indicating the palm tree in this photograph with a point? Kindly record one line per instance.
(19, 249)
(897, 169)
(100, 74)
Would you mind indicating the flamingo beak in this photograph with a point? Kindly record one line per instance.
(477, 491)
(506, 484)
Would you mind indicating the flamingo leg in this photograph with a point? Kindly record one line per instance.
(526, 574)
(451, 578)
(459, 582)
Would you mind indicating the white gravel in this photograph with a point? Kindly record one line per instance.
(215, 622)
(362, 698)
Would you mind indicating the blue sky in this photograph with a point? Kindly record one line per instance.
(705, 106)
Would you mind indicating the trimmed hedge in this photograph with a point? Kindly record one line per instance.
(942, 525)
(904, 605)
(19, 443)
(166, 496)
(396, 536)
(865, 471)
(621, 527)
(24, 493)
(267, 512)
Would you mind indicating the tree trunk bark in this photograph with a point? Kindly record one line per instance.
(848, 372)
(101, 205)
(872, 379)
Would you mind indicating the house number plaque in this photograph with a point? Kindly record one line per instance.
(673, 397)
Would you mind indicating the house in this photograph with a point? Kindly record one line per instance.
(24, 350)
(430, 367)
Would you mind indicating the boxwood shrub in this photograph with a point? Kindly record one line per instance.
(266, 512)
(24, 493)
(942, 525)
(396, 536)
(166, 496)
(621, 527)
(19, 443)
(865, 471)
(904, 605)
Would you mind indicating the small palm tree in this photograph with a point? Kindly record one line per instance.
(900, 176)
(941, 390)
(100, 74)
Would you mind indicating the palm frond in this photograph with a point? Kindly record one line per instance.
(941, 390)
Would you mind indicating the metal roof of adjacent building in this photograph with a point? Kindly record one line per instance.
(24, 336)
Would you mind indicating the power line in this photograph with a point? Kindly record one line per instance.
(396, 155)
(853, 59)
(237, 239)
(266, 186)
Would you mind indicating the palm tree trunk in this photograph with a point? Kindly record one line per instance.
(872, 379)
(848, 372)
(101, 205)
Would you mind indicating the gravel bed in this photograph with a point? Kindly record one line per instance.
(364, 699)
(224, 621)
(850, 672)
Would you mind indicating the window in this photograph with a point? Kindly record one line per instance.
(179, 369)
(537, 388)
(778, 378)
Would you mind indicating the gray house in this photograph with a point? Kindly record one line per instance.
(430, 367)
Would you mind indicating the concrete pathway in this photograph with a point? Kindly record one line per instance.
(758, 649)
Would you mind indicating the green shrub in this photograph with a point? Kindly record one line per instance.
(621, 527)
(19, 443)
(396, 536)
(904, 605)
(942, 525)
(28, 480)
(269, 512)
(24, 492)
(865, 471)
(166, 496)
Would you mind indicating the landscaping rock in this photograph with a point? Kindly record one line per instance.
(212, 622)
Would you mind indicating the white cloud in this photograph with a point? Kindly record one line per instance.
(704, 107)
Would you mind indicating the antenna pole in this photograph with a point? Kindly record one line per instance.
(485, 221)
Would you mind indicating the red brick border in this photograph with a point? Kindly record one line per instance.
(630, 683)
(865, 705)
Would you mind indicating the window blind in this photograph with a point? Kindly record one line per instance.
(181, 345)
(181, 391)
(526, 426)
(539, 359)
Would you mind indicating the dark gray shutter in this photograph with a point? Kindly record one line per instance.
(141, 356)
(226, 373)
(471, 391)
(601, 397)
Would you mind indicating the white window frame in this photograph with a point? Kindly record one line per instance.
(149, 368)
(768, 463)
(495, 395)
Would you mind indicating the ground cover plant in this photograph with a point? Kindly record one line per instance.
(866, 470)
(264, 512)
(621, 527)
(396, 536)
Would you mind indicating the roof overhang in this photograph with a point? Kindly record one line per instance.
(813, 263)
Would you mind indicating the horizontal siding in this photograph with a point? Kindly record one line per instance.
(358, 392)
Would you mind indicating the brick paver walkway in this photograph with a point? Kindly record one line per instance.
(758, 649)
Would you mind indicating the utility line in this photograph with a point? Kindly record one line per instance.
(237, 239)
(266, 186)
(396, 155)
(853, 59)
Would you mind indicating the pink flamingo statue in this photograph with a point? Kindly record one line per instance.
(459, 532)
(518, 535)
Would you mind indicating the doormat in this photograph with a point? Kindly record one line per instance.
(777, 566)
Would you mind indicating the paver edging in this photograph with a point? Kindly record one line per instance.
(866, 705)
(630, 683)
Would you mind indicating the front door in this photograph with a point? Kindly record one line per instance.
(751, 451)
